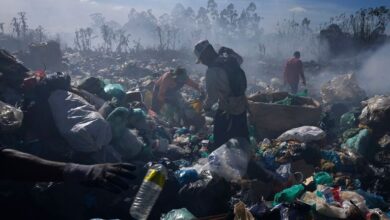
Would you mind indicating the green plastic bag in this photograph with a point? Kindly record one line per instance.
(289, 195)
(286, 101)
(115, 90)
(178, 214)
(323, 178)
(304, 93)
(359, 143)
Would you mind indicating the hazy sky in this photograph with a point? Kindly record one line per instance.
(67, 15)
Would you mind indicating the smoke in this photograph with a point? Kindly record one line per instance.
(374, 76)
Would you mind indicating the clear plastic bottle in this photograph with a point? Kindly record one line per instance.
(148, 192)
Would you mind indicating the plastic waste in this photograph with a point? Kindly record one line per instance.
(304, 93)
(359, 143)
(286, 101)
(376, 112)
(230, 160)
(373, 200)
(241, 212)
(10, 117)
(149, 192)
(343, 88)
(178, 214)
(323, 178)
(186, 176)
(284, 171)
(78, 122)
(289, 195)
(115, 90)
(303, 134)
(347, 120)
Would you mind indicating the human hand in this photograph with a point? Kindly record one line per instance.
(111, 177)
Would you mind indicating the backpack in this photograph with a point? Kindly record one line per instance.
(236, 76)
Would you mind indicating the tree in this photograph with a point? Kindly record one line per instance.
(15, 26)
(2, 27)
(23, 23)
(108, 36)
(83, 39)
(123, 41)
(212, 10)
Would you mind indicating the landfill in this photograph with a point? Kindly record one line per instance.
(321, 152)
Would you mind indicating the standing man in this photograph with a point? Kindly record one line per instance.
(226, 85)
(293, 71)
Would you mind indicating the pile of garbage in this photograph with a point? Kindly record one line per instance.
(303, 161)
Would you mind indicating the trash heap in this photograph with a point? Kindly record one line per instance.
(319, 162)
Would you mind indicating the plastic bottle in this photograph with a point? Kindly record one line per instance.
(148, 192)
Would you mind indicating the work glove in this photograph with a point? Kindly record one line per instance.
(111, 177)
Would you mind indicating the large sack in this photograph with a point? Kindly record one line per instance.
(78, 122)
(303, 134)
(271, 119)
(376, 112)
(342, 88)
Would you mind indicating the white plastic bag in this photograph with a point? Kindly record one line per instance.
(78, 122)
(230, 160)
(10, 117)
(303, 134)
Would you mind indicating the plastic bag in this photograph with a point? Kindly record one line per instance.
(359, 143)
(230, 160)
(186, 176)
(284, 171)
(376, 112)
(10, 117)
(289, 195)
(115, 90)
(323, 178)
(342, 88)
(129, 145)
(347, 120)
(303, 134)
(78, 122)
(178, 214)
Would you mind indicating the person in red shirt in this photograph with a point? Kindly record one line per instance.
(293, 71)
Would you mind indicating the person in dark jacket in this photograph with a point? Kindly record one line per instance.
(225, 85)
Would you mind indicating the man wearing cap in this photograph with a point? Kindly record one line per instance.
(225, 85)
(293, 71)
(166, 91)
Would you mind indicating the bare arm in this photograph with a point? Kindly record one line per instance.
(16, 165)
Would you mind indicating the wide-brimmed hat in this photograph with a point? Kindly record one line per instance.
(200, 48)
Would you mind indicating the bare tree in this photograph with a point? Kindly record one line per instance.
(2, 27)
(23, 23)
(123, 41)
(15, 26)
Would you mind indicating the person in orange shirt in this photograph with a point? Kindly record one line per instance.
(293, 71)
(166, 91)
